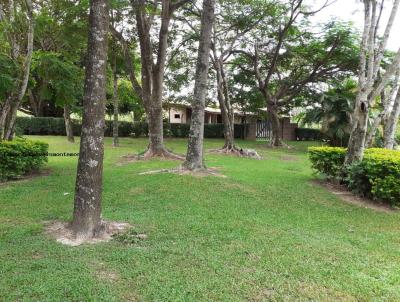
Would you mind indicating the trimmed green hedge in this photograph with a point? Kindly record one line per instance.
(308, 134)
(182, 130)
(21, 156)
(55, 126)
(327, 160)
(376, 176)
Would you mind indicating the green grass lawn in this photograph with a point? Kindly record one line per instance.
(263, 233)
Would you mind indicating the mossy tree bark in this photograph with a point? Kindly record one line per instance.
(87, 221)
(195, 151)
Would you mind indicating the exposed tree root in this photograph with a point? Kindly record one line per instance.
(183, 171)
(163, 153)
(233, 150)
(148, 155)
(63, 233)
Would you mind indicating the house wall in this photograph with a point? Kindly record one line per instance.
(173, 112)
(209, 117)
(288, 129)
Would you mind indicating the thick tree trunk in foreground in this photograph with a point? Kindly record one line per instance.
(68, 124)
(194, 155)
(88, 190)
(115, 104)
(391, 124)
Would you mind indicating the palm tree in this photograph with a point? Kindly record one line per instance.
(333, 112)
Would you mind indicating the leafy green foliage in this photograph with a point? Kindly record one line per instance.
(8, 75)
(127, 99)
(20, 157)
(377, 175)
(332, 110)
(56, 79)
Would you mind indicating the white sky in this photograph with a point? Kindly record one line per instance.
(352, 10)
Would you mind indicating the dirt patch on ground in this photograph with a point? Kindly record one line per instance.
(244, 188)
(212, 171)
(264, 294)
(28, 176)
(103, 273)
(62, 233)
(289, 158)
(344, 194)
(311, 290)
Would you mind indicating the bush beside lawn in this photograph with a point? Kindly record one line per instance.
(21, 156)
(376, 176)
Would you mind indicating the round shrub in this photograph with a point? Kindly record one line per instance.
(376, 176)
(21, 156)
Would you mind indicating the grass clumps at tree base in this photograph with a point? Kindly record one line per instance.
(64, 233)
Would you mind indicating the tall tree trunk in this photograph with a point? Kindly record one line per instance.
(225, 106)
(33, 103)
(391, 124)
(88, 189)
(152, 72)
(370, 137)
(356, 146)
(273, 115)
(194, 155)
(387, 100)
(68, 124)
(3, 117)
(370, 85)
(115, 103)
(12, 113)
(156, 146)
